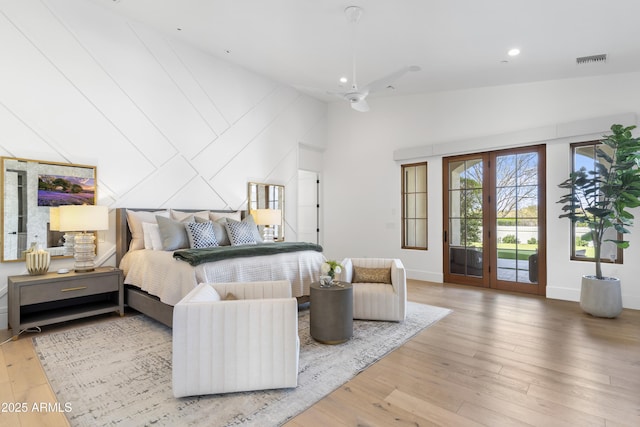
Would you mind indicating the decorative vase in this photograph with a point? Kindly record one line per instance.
(37, 262)
(601, 297)
(326, 281)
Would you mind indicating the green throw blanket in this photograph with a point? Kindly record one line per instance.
(217, 253)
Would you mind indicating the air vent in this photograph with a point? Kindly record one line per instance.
(593, 59)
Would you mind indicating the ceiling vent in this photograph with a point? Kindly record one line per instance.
(593, 59)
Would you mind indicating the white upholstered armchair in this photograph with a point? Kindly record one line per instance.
(379, 288)
(229, 345)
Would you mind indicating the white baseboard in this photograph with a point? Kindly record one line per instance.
(565, 294)
(426, 276)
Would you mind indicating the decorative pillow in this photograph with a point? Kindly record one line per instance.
(180, 215)
(174, 235)
(371, 275)
(256, 233)
(201, 234)
(219, 230)
(135, 220)
(152, 238)
(205, 294)
(240, 233)
(214, 216)
(230, 297)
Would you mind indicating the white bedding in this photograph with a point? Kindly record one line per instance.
(159, 274)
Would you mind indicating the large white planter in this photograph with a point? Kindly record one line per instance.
(601, 297)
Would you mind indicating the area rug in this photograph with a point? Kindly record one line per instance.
(118, 372)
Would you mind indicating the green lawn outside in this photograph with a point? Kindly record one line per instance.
(508, 251)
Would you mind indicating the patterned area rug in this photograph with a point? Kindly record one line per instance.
(119, 372)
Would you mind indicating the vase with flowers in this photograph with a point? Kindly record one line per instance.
(329, 270)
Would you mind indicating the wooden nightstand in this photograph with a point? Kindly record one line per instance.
(52, 297)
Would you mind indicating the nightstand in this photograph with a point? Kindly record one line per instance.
(53, 298)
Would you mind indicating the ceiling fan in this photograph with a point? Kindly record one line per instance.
(356, 96)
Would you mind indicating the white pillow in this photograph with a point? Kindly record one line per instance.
(214, 216)
(204, 293)
(181, 215)
(152, 238)
(135, 220)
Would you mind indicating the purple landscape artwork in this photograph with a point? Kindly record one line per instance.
(55, 190)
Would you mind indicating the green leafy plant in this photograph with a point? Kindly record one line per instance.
(601, 198)
(331, 268)
(510, 238)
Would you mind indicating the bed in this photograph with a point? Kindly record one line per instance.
(155, 280)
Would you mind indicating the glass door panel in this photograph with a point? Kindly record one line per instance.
(464, 248)
(517, 223)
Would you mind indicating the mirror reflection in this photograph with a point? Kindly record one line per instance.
(29, 189)
(267, 196)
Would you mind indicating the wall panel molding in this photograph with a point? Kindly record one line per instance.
(166, 124)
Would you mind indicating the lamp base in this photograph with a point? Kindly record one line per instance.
(84, 252)
(69, 242)
(268, 234)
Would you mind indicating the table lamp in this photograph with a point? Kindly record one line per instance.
(269, 218)
(84, 218)
(54, 225)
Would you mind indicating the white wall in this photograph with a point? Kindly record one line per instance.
(362, 180)
(166, 124)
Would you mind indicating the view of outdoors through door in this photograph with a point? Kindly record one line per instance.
(516, 206)
(465, 217)
(494, 228)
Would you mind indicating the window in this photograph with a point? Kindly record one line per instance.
(414, 206)
(583, 154)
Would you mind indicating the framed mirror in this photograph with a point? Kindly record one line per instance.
(29, 189)
(267, 196)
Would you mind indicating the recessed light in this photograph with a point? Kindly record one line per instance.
(343, 79)
(514, 52)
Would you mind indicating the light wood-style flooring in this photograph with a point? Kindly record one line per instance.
(499, 359)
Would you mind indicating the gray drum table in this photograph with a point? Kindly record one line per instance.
(331, 312)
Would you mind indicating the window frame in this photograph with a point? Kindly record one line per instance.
(404, 217)
(603, 258)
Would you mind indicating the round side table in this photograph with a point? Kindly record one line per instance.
(331, 312)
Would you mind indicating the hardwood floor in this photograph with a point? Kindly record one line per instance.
(498, 359)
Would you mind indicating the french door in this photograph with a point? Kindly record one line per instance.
(494, 219)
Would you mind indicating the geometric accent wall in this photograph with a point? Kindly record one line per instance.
(166, 124)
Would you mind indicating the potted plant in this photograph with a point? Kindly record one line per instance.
(601, 199)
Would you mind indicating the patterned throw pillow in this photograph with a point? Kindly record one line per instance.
(240, 233)
(201, 234)
(219, 230)
(371, 275)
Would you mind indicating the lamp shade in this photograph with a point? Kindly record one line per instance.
(54, 218)
(83, 218)
(267, 216)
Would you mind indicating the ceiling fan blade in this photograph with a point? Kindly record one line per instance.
(360, 105)
(387, 80)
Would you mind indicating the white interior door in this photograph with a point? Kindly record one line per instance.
(308, 207)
